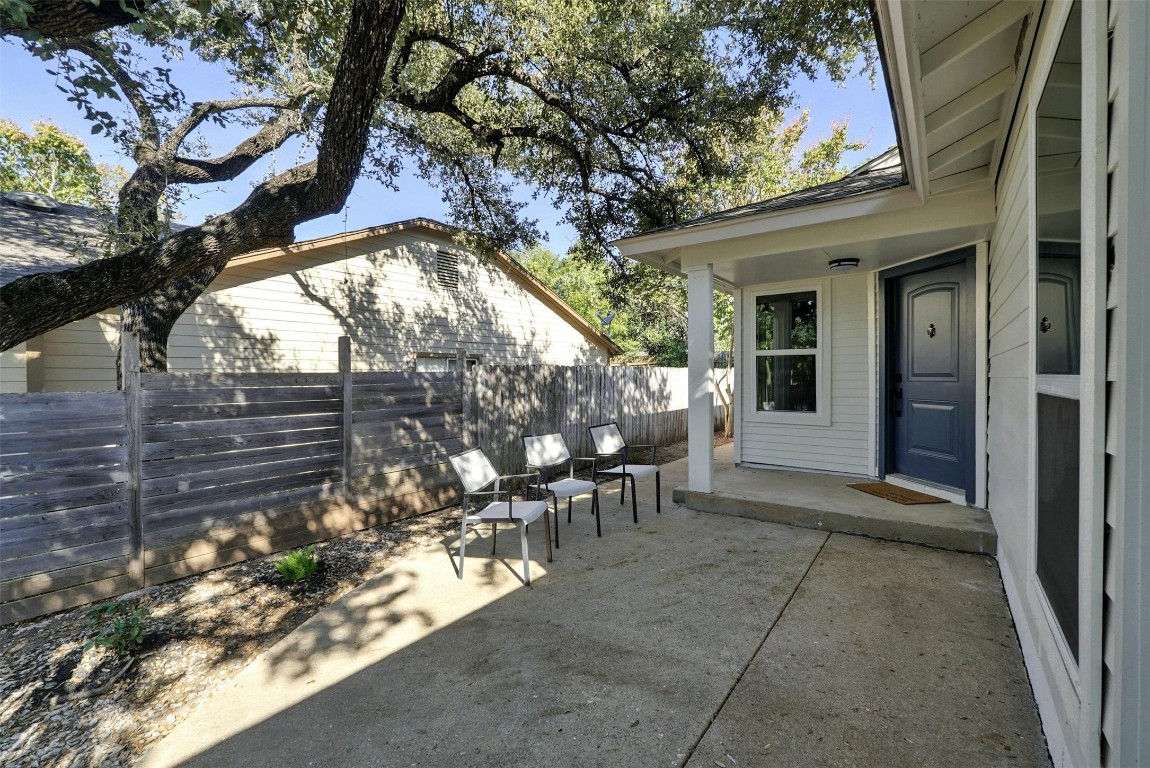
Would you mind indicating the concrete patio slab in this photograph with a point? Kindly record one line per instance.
(618, 654)
(889, 654)
(654, 645)
(825, 502)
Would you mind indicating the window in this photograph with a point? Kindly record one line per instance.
(1058, 334)
(447, 270)
(441, 363)
(786, 352)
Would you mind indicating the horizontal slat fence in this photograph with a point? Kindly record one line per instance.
(64, 511)
(236, 465)
(104, 492)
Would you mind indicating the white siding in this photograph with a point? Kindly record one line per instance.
(843, 445)
(1009, 386)
(13, 375)
(286, 314)
(81, 356)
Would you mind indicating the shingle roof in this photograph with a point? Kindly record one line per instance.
(40, 241)
(881, 173)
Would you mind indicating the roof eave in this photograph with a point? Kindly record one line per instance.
(510, 267)
(894, 34)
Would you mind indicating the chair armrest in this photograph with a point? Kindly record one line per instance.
(652, 447)
(499, 480)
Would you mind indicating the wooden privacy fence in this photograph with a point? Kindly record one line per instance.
(503, 402)
(102, 493)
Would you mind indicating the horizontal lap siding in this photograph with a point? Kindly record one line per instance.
(844, 445)
(1009, 374)
(286, 314)
(13, 375)
(63, 500)
(80, 356)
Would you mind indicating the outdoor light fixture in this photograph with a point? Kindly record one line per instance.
(842, 265)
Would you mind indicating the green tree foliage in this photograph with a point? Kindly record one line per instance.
(595, 102)
(772, 161)
(53, 162)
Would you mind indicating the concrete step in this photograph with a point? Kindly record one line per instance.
(825, 502)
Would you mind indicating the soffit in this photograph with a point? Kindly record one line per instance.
(970, 56)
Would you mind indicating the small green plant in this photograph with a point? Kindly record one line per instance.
(119, 627)
(298, 564)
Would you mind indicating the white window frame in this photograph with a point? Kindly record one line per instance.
(469, 362)
(821, 416)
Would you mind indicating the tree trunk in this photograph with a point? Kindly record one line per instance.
(35, 304)
(152, 317)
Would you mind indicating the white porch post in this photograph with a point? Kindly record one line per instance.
(700, 378)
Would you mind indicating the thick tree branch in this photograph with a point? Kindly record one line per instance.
(35, 304)
(190, 170)
(202, 110)
(77, 18)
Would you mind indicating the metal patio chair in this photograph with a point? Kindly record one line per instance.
(548, 453)
(476, 473)
(609, 444)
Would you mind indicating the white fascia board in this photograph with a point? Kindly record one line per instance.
(766, 223)
(896, 27)
(808, 230)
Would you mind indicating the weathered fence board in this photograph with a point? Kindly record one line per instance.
(504, 403)
(101, 493)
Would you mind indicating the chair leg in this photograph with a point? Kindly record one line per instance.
(462, 547)
(547, 533)
(658, 496)
(526, 559)
(595, 509)
(623, 488)
(555, 506)
(634, 502)
(493, 530)
(568, 518)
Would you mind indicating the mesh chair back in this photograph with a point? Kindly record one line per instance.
(474, 469)
(545, 450)
(607, 438)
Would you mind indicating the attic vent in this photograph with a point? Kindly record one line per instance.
(33, 201)
(447, 270)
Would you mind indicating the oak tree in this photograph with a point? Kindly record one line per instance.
(591, 101)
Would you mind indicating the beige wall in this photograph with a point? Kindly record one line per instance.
(286, 314)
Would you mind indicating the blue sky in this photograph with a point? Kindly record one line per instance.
(28, 93)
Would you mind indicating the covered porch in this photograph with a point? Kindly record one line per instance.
(827, 502)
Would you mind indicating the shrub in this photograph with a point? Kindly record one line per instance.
(119, 628)
(298, 564)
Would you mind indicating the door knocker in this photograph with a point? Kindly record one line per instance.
(930, 331)
(1045, 325)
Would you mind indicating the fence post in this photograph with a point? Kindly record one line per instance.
(130, 378)
(345, 381)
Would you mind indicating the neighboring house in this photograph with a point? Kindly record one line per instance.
(991, 342)
(406, 293)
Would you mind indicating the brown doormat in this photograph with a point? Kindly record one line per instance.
(895, 493)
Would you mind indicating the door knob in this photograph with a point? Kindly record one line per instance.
(1045, 324)
(930, 331)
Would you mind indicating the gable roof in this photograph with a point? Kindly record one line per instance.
(504, 262)
(39, 241)
(880, 173)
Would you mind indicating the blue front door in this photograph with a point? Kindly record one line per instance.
(932, 381)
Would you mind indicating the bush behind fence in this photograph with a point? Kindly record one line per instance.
(105, 492)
